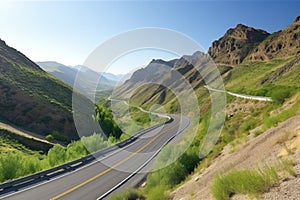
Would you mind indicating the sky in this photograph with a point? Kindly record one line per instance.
(68, 32)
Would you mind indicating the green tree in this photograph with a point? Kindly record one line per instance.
(105, 119)
(75, 150)
(94, 142)
(56, 155)
(9, 165)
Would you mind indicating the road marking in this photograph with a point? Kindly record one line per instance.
(105, 156)
(111, 168)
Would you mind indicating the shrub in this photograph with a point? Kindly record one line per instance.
(130, 194)
(94, 142)
(58, 136)
(9, 165)
(56, 155)
(250, 182)
(50, 137)
(280, 95)
(157, 192)
(75, 150)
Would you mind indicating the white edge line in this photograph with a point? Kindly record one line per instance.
(70, 173)
(142, 166)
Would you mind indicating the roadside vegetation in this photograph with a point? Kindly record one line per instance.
(17, 160)
(251, 182)
(243, 118)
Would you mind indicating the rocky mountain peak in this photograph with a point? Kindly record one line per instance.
(281, 44)
(161, 62)
(235, 45)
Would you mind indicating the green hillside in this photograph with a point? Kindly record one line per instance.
(32, 99)
(276, 77)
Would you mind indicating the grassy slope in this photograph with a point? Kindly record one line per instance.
(31, 98)
(245, 116)
(9, 144)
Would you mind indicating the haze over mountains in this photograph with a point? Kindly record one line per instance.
(68, 74)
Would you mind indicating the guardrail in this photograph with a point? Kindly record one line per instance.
(83, 160)
(244, 96)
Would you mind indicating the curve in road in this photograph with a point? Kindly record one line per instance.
(244, 96)
(98, 179)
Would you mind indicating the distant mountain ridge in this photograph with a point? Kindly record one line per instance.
(89, 78)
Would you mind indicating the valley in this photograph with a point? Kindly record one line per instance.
(215, 125)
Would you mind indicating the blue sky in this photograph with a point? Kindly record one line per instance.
(67, 32)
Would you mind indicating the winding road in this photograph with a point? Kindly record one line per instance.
(244, 96)
(98, 179)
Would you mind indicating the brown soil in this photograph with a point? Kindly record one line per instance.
(264, 149)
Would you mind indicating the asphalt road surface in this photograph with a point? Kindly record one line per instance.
(96, 180)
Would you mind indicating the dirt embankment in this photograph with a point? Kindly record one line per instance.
(280, 141)
(34, 141)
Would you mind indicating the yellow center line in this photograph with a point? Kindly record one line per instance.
(111, 168)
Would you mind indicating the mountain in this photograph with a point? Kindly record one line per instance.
(32, 99)
(255, 133)
(282, 44)
(238, 47)
(88, 78)
(235, 45)
(60, 71)
(160, 81)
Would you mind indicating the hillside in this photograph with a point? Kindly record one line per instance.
(282, 44)
(153, 84)
(60, 71)
(158, 73)
(255, 133)
(30, 98)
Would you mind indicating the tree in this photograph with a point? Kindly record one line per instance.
(75, 150)
(9, 165)
(56, 155)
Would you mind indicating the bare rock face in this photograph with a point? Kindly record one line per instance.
(282, 44)
(234, 46)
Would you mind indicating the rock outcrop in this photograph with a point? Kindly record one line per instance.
(282, 44)
(235, 45)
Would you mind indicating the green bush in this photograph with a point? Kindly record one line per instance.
(56, 155)
(249, 182)
(157, 192)
(9, 165)
(94, 142)
(280, 95)
(58, 136)
(75, 150)
(22, 161)
(130, 194)
(105, 119)
(177, 166)
(50, 137)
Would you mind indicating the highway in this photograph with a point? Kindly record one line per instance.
(99, 178)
